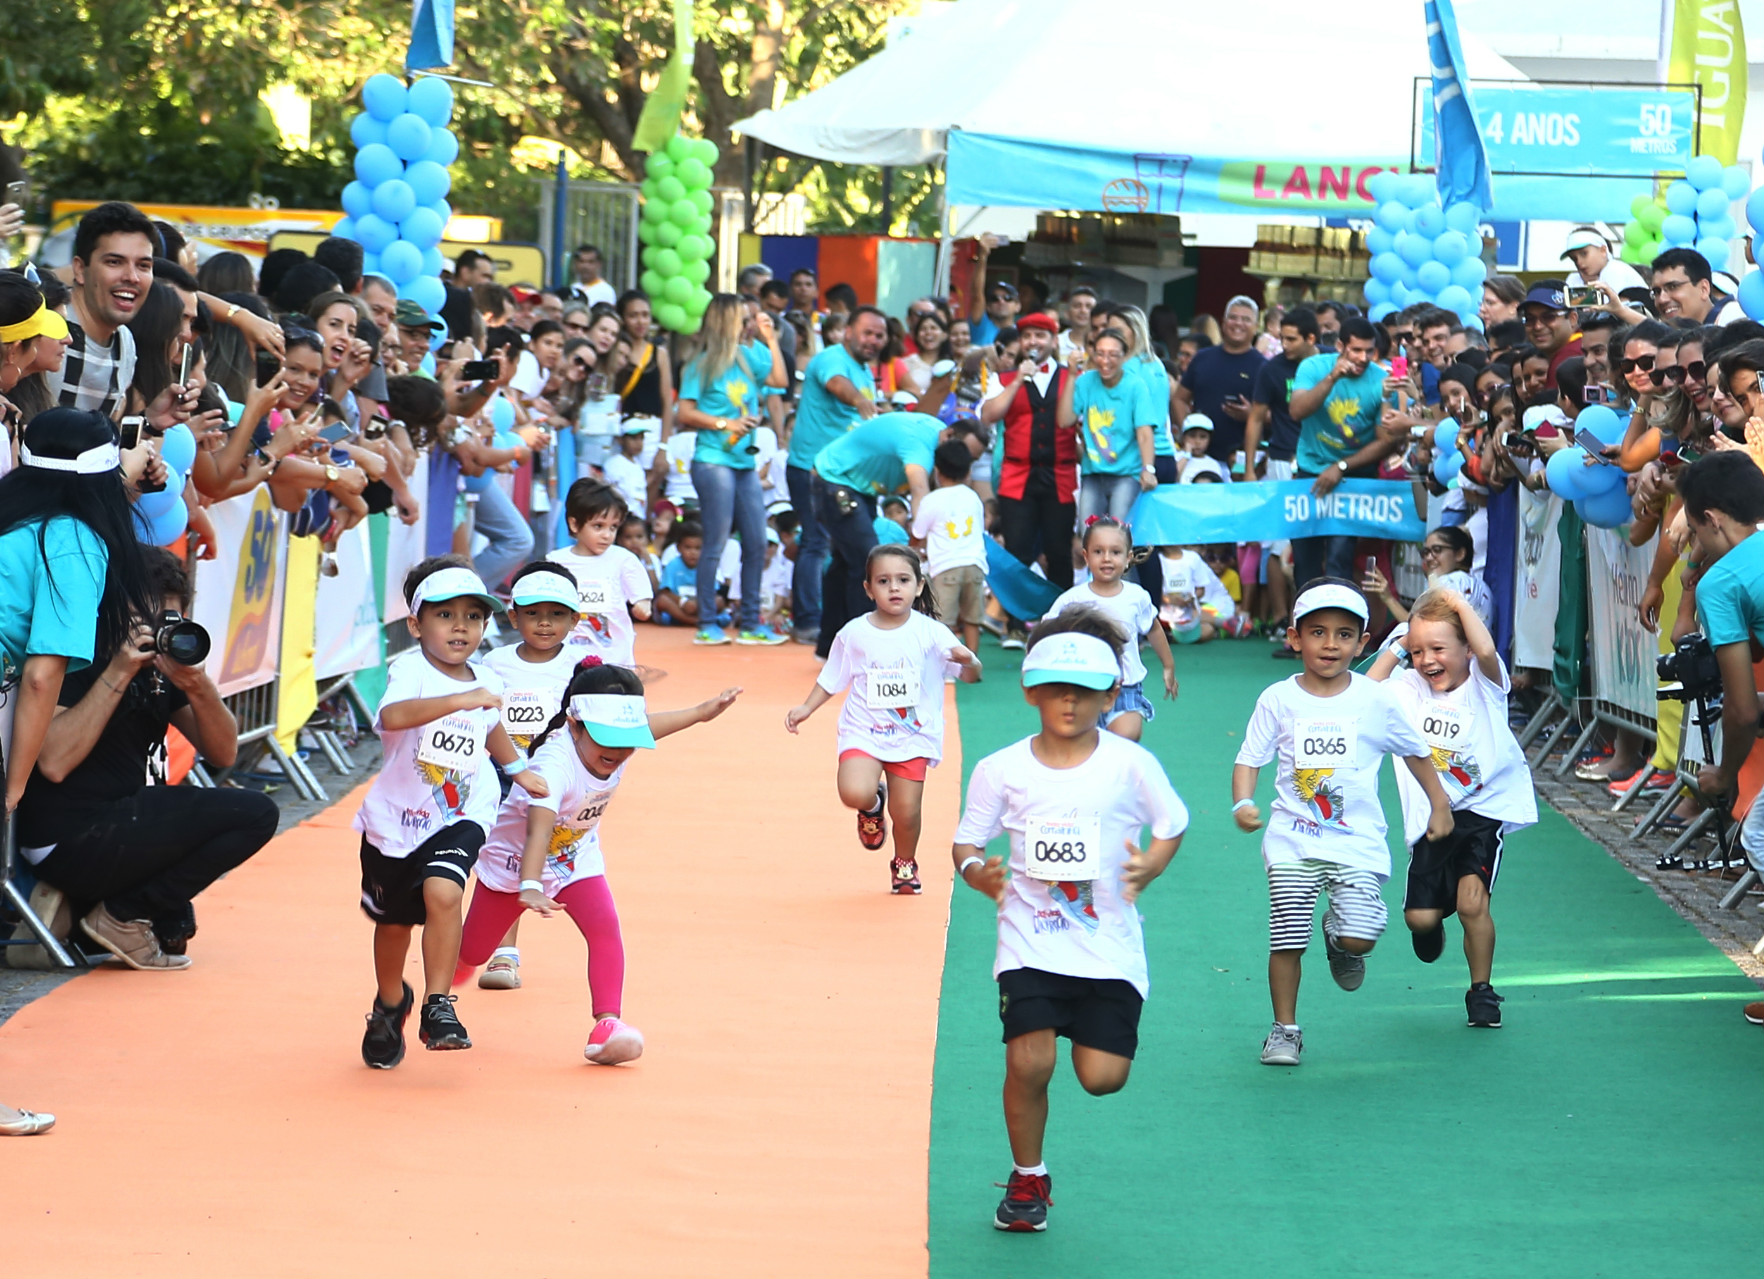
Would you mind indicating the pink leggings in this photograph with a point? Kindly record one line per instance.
(590, 907)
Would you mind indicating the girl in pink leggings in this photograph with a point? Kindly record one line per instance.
(544, 852)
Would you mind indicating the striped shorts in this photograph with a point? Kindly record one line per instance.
(1356, 906)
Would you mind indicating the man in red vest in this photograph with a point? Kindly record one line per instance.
(1038, 484)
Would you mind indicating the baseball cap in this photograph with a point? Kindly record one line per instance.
(633, 426)
(1330, 595)
(453, 584)
(613, 719)
(410, 315)
(548, 588)
(1196, 422)
(904, 400)
(1541, 415)
(1550, 293)
(1069, 658)
(1584, 237)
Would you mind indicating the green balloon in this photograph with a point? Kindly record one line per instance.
(678, 148)
(646, 188)
(646, 230)
(655, 211)
(650, 282)
(697, 301)
(698, 272)
(665, 262)
(701, 225)
(670, 315)
(706, 153)
(659, 166)
(703, 201)
(683, 214)
(668, 235)
(669, 189)
(693, 248)
(693, 173)
(1651, 215)
(677, 289)
(1638, 204)
(693, 324)
(1634, 233)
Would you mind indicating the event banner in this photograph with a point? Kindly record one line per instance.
(1709, 47)
(1535, 590)
(239, 591)
(1592, 130)
(1622, 652)
(404, 550)
(1193, 514)
(348, 637)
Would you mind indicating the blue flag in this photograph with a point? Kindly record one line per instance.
(431, 35)
(1020, 592)
(1462, 162)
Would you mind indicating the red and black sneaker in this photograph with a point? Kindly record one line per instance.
(904, 878)
(872, 824)
(1027, 1199)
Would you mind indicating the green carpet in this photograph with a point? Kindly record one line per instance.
(1610, 1128)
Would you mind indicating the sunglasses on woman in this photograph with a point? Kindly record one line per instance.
(1645, 363)
(1696, 371)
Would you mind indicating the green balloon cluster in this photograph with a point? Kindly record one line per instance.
(1642, 241)
(675, 231)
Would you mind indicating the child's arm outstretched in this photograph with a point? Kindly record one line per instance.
(540, 823)
(1243, 789)
(978, 871)
(1160, 644)
(505, 752)
(666, 723)
(817, 698)
(1439, 821)
(399, 717)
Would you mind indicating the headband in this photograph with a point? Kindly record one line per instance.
(96, 460)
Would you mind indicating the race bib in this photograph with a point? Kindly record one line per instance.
(893, 686)
(524, 713)
(594, 597)
(1325, 743)
(1063, 848)
(1445, 727)
(450, 744)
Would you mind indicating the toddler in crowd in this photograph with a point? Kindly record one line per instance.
(676, 595)
(1193, 464)
(1195, 600)
(625, 472)
(614, 584)
(951, 523)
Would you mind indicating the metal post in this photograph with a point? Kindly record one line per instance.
(887, 198)
(945, 245)
(560, 210)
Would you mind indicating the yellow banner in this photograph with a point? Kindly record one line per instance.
(1709, 49)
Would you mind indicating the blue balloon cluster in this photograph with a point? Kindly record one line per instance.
(1421, 252)
(1751, 286)
(396, 208)
(1698, 209)
(162, 517)
(1447, 461)
(1599, 493)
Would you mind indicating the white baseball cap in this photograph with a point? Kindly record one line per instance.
(1538, 414)
(1196, 422)
(1070, 658)
(613, 719)
(1584, 237)
(1330, 595)
(452, 584)
(548, 588)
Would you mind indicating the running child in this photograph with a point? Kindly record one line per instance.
(614, 585)
(430, 805)
(1108, 551)
(952, 524)
(1454, 689)
(1330, 729)
(891, 665)
(544, 601)
(1195, 599)
(1071, 958)
(544, 854)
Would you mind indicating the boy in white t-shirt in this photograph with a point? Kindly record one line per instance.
(434, 799)
(951, 523)
(1071, 957)
(614, 584)
(625, 472)
(1330, 730)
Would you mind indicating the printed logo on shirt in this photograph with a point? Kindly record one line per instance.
(1322, 795)
(1077, 901)
(954, 534)
(1100, 422)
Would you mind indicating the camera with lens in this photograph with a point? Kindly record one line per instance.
(179, 639)
(1689, 672)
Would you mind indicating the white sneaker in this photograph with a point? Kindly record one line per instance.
(503, 972)
(613, 1042)
(1282, 1046)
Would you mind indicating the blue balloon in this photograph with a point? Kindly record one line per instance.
(1429, 221)
(1433, 276)
(1601, 479)
(1715, 252)
(364, 129)
(178, 448)
(402, 262)
(1447, 465)
(1408, 276)
(1565, 472)
(1755, 210)
(1735, 181)
(429, 180)
(1681, 197)
(433, 262)
(432, 99)
(170, 525)
(1451, 247)
(422, 228)
(427, 292)
(1381, 309)
(1469, 274)
(1376, 291)
(1378, 240)
(376, 163)
(358, 198)
(1414, 249)
(1392, 216)
(1401, 295)
(1603, 422)
(1456, 299)
(344, 228)
(1387, 267)
(409, 136)
(1718, 228)
(502, 414)
(1445, 437)
(478, 483)
(1703, 172)
(394, 200)
(1382, 186)
(1712, 202)
(370, 262)
(1417, 189)
(150, 506)
(443, 147)
(384, 97)
(1607, 509)
(1473, 322)
(1678, 228)
(1464, 218)
(374, 233)
(442, 210)
(1751, 294)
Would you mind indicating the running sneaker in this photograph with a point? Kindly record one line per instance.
(760, 635)
(383, 1045)
(872, 824)
(903, 878)
(1283, 1046)
(810, 635)
(711, 635)
(1348, 969)
(1014, 638)
(1755, 1013)
(439, 1029)
(1656, 781)
(1429, 945)
(1483, 1006)
(503, 972)
(1028, 1196)
(613, 1043)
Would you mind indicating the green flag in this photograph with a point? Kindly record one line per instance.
(662, 109)
(1709, 49)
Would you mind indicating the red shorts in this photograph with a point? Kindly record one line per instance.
(912, 770)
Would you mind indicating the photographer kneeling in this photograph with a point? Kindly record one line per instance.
(132, 855)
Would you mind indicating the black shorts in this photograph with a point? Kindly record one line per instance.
(1473, 848)
(1099, 1013)
(392, 887)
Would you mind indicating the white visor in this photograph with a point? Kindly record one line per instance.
(613, 719)
(1083, 660)
(94, 461)
(452, 584)
(1329, 595)
(548, 588)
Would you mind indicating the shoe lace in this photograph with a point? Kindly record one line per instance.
(1027, 1187)
(441, 1008)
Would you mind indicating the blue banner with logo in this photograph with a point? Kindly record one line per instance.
(1195, 514)
(1460, 158)
(1585, 129)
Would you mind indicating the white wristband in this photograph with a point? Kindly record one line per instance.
(536, 885)
(518, 764)
(1243, 803)
(962, 870)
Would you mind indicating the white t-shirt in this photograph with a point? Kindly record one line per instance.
(1080, 928)
(579, 799)
(952, 521)
(437, 773)
(611, 583)
(529, 379)
(778, 579)
(1477, 757)
(596, 293)
(677, 487)
(771, 461)
(1132, 610)
(911, 660)
(534, 690)
(1616, 274)
(631, 480)
(1190, 583)
(1190, 467)
(1324, 811)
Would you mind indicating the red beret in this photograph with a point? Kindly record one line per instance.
(1040, 320)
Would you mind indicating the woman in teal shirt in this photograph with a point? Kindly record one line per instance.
(1112, 410)
(720, 390)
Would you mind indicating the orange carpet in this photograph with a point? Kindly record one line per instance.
(220, 1121)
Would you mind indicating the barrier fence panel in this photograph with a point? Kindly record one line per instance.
(1535, 588)
(239, 592)
(1622, 652)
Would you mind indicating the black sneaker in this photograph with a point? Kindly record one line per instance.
(383, 1045)
(1027, 1199)
(1429, 945)
(1483, 1006)
(176, 929)
(440, 1029)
